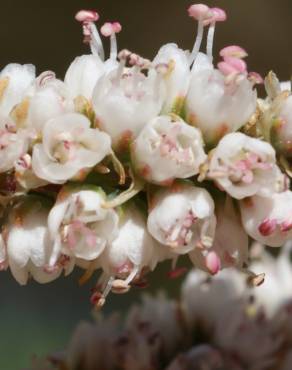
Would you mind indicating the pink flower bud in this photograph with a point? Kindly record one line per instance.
(233, 51)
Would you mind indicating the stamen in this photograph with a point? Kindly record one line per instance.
(90, 32)
(202, 14)
(110, 30)
(233, 51)
(267, 227)
(213, 262)
(219, 15)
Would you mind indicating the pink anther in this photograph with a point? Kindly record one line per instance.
(267, 227)
(199, 12)
(219, 15)
(233, 51)
(108, 29)
(213, 262)
(87, 16)
(255, 78)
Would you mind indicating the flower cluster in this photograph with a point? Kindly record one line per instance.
(218, 324)
(128, 162)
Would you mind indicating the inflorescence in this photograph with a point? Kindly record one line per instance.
(129, 162)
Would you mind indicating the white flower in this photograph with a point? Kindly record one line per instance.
(15, 80)
(79, 226)
(131, 250)
(28, 242)
(177, 78)
(217, 107)
(275, 292)
(166, 149)
(230, 247)
(69, 146)
(158, 312)
(207, 300)
(268, 219)
(244, 166)
(124, 100)
(83, 74)
(13, 143)
(182, 217)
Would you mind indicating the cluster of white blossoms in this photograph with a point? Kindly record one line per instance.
(217, 324)
(128, 162)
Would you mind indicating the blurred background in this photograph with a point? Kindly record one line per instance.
(36, 319)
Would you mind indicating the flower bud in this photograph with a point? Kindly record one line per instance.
(182, 218)
(125, 100)
(268, 219)
(69, 146)
(244, 166)
(166, 149)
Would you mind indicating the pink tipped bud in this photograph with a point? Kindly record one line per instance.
(199, 11)
(267, 227)
(233, 51)
(219, 15)
(255, 77)
(108, 29)
(213, 263)
(87, 16)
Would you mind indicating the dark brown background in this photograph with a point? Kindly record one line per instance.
(36, 319)
(44, 32)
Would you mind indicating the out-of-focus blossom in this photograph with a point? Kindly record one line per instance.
(244, 166)
(191, 222)
(166, 149)
(69, 147)
(268, 219)
(28, 242)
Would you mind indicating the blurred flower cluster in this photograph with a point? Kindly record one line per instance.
(218, 324)
(128, 162)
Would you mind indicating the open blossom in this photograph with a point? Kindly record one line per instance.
(13, 143)
(268, 219)
(125, 99)
(230, 247)
(69, 146)
(166, 149)
(218, 107)
(15, 81)
(177, 77)
(132, 248)
(28, 242)
(244, 166)
(79, 227)
(182, 218)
